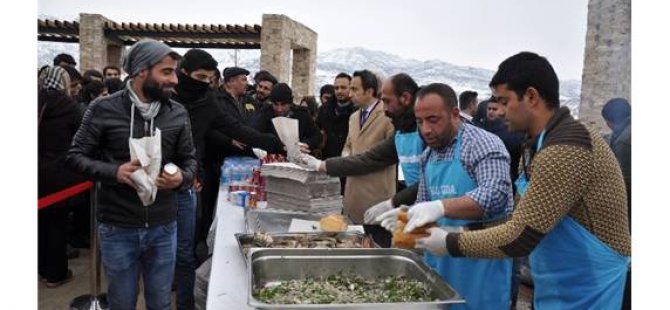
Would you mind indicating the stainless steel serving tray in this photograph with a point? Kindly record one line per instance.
(267, 265)
(243, 240)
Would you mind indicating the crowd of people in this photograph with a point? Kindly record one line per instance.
(466, 165)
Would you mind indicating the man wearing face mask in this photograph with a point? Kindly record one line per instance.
(138, 232)
(281, 97)
(212, 128)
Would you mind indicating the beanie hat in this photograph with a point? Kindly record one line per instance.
(281, 93)
(196, 59)
(144, 54)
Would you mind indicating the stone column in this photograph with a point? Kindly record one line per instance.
(275, 46)
(304, 71)
(114, 54)
(279, 36)
(92, 42)
(607, 58)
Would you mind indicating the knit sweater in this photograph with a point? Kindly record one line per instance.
(574, 174)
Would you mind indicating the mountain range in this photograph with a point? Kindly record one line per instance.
(332, 62)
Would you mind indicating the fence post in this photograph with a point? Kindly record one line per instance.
(95, 300)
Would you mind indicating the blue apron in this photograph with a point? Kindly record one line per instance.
(483, 283)
(409, 147)
(572, 268)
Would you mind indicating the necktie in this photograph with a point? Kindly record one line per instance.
(364, 117)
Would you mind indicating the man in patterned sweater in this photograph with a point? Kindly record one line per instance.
(571, 217)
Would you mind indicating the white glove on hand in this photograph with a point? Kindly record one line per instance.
(260, 153)
(423, 213)
(311, 162)
(389, 219)
(373, 212)
(436, 243)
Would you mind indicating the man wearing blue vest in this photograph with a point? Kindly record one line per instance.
(463, 180)
(572, 214)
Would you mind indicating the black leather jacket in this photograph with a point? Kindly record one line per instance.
(100, 146)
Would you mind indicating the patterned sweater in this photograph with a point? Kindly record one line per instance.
(574, 174)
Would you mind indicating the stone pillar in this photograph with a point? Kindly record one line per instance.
(607, 58)
(92, 42)
(275, 46)
(304, 71)
(114, 54)
(279, 36)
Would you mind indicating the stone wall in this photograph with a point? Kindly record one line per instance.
(607, 58)
(283, 40)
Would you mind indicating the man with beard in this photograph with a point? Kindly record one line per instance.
(398, 97)
(211, 129)
(281, 98)
(264, 83)
(571, 216)
(463, 180)
(137, 234)
(333, 117)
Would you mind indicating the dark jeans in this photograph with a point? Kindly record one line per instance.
(380, 235)
(211, 182)
(185, 266)
(127, 252)
(52, 242)
(81, 220)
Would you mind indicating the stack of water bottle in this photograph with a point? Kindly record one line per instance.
(240, 175)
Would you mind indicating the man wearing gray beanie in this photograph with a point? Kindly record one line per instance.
(138, 232)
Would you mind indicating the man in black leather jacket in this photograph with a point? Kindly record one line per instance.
(134, 237)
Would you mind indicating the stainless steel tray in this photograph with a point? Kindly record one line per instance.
(267, 265)
(244, 241)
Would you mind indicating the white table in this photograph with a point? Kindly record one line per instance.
(228, 287)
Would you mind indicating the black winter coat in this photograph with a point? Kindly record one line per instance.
(307, 130)
(101, 146)
(335, 124)
(60, 119)
(213, 129)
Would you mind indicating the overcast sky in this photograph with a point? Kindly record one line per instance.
(478, 33)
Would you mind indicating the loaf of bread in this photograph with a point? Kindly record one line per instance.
(333, 223)
(408, 241)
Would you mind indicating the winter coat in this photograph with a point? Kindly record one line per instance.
(58, 120)
(101, 146)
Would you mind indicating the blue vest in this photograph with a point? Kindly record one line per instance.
(483, 283)
(572, 268)
(409, 147)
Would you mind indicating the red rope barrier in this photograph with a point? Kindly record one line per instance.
(63, 194)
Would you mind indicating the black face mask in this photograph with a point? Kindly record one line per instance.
(190, 89)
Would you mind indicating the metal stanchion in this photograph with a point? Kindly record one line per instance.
(95, 300)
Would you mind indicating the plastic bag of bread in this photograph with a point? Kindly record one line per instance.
(408, 241)
(333, 223)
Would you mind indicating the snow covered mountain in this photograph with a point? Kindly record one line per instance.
(330, 63)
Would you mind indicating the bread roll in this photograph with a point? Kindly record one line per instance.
(408, 241)
(333, 223)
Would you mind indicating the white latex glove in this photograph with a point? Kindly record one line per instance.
(260, 153)
(436, 243)
(311, 162)
(373, 212)
(389, 219)
(423, 213)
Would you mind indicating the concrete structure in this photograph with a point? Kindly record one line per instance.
(607, 58)
(288, 48)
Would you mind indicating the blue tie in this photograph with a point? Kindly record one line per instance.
(364, 117)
